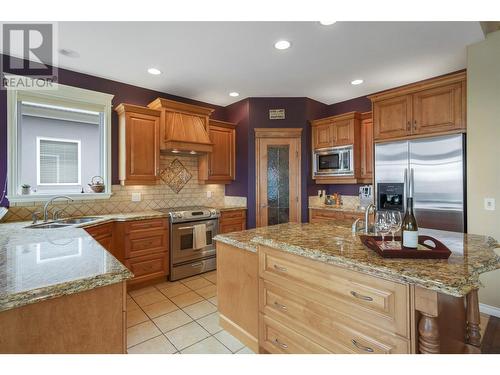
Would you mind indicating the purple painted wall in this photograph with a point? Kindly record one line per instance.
(254, 113)
(123, 93)
(361, 104)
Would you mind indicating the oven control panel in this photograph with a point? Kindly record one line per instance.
(194, 214)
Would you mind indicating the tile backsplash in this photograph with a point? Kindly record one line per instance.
(348, 201)
(152, 197)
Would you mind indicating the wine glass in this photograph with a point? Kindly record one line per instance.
(381, 224)
(394, 219)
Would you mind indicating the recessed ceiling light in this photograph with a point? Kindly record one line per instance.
(327, 23)
(282, 44)
(357, 82)
(175, 151)
(69, 52)
(192, 152)
(234, 94)
(154, 71)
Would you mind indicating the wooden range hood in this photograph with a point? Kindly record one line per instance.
(183, 127)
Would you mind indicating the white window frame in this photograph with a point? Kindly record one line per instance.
(78, 142)
(62, 96)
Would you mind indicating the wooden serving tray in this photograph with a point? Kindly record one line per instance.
(435, 250)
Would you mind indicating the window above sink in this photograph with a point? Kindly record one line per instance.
(58, 140)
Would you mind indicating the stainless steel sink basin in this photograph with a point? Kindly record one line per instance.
(78, 220)
(64, 222)
(48, 226)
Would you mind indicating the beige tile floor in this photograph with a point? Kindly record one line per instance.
(178, 317)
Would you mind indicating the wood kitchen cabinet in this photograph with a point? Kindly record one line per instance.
(141, 245)
(322, 135)
(145, 245)
(139, 144)
(103, 233)
(435, 106)
(232, 221)
(335, 131)
(218, 166)
(367, 152)
(319, 215)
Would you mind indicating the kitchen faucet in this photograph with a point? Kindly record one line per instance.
(354, 226)
(46, 207)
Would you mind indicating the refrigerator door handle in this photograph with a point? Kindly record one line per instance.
(406, 181)
(412, 182)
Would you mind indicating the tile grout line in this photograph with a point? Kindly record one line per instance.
(178, 308)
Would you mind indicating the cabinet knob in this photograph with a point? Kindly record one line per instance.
(415, 125)
(408, 126)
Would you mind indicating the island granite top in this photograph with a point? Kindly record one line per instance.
(40, 264)
(334, 243)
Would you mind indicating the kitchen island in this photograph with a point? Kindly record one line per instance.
(315, 288)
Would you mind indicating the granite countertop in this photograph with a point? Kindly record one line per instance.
(40, 264)
(337, 208)
(230, 208)
(335, 244)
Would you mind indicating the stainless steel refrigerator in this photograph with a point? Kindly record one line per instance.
(432, 170)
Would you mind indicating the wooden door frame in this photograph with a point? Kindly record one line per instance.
(294, 134)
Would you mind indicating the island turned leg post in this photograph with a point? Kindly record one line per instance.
(473, 319)
(426, 303)
(428, 339)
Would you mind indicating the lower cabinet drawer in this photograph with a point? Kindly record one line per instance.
(379, 302)
(231, 227)
(145, 243)
(278, 339)
(337, 332)
(149, 266)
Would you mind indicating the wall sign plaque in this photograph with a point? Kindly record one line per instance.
(277, 114)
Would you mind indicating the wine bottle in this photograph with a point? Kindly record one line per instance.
(409, 227)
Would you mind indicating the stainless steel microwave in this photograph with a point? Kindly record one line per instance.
(333, 161)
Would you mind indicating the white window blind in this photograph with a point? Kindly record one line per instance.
(59, 162)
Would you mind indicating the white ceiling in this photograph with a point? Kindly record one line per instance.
(207, 60)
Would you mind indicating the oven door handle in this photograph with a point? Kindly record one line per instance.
(184, 228)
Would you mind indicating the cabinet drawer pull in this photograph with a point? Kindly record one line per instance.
(197, 264)
(280, 306)
(360, 296)
(279, 268)
(361, 347)
(280, 344)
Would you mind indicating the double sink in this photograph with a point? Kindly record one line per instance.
(64, 222)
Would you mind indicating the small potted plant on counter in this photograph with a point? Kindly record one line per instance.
(25, 189)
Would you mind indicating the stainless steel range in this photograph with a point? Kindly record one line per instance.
(192, 250)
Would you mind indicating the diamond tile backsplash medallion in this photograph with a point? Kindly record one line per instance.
(175, 175)
(153, 196)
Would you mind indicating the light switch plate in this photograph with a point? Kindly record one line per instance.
(136, 197)
(209, 194)
(489, 204)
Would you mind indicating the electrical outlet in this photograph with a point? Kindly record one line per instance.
(489, 204)
(209, 194)
(136, 197)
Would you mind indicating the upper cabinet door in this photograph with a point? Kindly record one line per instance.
(218, 166)
(343, 132)
(221, 160)
(439, 109)
(139, 144)
(392, 117)
(143, 147)
(322, 135)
